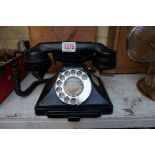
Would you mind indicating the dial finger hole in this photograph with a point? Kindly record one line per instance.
(59, 82)
(73, 100)
(79, 73)
(84, 77)
(66, 99)
(58, 89)
(73, 72)
(61, 95)
(62, 77)
(67, 73)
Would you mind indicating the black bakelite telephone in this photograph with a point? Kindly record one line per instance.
(73, 92)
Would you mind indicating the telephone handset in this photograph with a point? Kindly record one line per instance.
(68, 52)
(73, 92)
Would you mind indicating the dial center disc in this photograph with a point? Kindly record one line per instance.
(73, 86)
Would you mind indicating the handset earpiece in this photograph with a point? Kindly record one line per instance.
(37, 63)
(104, 58)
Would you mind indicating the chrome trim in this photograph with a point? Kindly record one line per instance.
(83, 95)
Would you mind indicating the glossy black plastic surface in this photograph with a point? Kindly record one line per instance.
(38, 62)
(97, 104)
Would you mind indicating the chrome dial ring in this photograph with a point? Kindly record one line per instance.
(73, 86)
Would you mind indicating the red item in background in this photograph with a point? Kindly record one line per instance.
(6, 83)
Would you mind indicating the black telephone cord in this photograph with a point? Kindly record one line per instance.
(16, 80)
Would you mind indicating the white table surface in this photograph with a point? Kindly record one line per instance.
(131, 108)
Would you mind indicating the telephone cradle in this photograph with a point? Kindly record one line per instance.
(74, 92)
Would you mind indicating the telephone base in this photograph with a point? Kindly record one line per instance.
(74, 115)
(97, 104)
